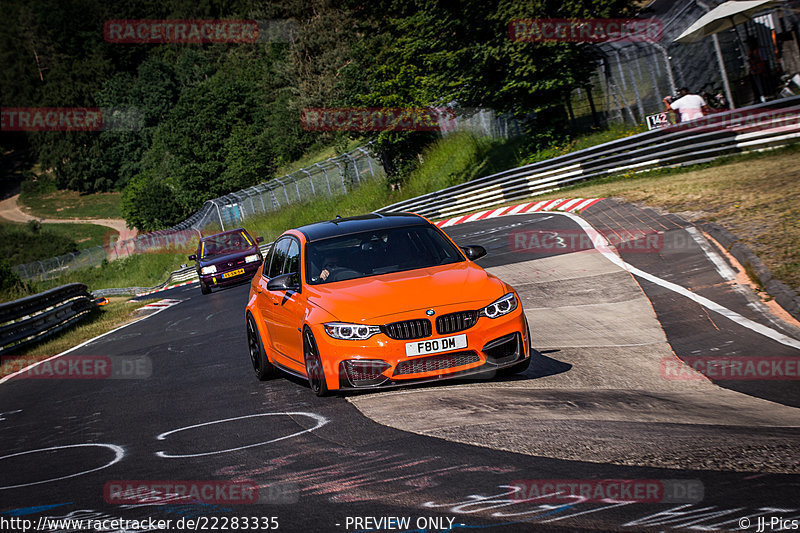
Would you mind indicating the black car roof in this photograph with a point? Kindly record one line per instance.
(347, 226)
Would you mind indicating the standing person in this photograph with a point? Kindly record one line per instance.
(689, 106)
(759, 69)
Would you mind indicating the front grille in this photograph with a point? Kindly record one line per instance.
(408, 329)
(435, 362)
(456, 322)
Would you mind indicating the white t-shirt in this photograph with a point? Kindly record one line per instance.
(690, 106)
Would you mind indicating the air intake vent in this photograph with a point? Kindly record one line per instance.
(435, 362)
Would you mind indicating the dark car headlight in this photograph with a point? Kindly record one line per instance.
(209, 270)
(501, 306)
(350, 332)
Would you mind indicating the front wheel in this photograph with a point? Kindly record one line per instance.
(205, 289)
(258, 357)
(314, 369)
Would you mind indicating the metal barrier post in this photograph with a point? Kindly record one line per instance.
(310, 180)
(330, 193)
(369, 161)
(341, 175)
(297, 188)
(219, 214)
(355, 166)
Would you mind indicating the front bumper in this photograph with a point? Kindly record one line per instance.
(216, 279)
(381, 362)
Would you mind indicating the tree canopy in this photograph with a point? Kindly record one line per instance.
(213, 118)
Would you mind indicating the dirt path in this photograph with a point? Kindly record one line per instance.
(10, 210)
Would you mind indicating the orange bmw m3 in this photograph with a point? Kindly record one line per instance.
(380, 300)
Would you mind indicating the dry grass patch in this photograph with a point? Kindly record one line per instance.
(755, 197)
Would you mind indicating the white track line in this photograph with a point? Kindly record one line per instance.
(604, 249)
(719, 263)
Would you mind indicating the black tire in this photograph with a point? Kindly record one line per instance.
(204, 288)
(314, 370)
(261, 365)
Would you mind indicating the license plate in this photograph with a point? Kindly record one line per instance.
(445, 344)
(233, 273)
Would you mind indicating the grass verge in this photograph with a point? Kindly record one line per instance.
(70, 204)
(449, 161)
(142, 270)
(119, 311)
(82, 235)
(316, 155)
(26, 242)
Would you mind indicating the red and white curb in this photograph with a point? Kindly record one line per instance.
(169, 287)
(572, 205)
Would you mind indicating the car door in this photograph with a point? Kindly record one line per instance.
(273, 266)
(289, 310)
(283, 311)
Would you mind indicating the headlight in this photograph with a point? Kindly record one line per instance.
(500, 307)
(209, 269)
(350, 332)
(251, 258)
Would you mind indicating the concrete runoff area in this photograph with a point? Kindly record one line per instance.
(595, 390)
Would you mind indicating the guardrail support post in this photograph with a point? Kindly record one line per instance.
(355, 166)
(310, 181)
(341, 175)
(326, 178)
(297, 188)
(261, 197)
(219, 214)
(369, 162)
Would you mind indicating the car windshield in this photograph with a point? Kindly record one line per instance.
(225, 243)
(377, 252)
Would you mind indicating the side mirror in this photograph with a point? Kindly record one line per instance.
(193, 257)
(474, 252)
(284, 282)
(259, 239)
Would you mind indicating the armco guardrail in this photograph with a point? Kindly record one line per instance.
(758, 127)
(33, 318)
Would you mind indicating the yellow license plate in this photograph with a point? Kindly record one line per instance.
(233, 273)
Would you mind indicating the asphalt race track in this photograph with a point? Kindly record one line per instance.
(598, 404)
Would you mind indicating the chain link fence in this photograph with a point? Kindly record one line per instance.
(632, 78)
(334, 176)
